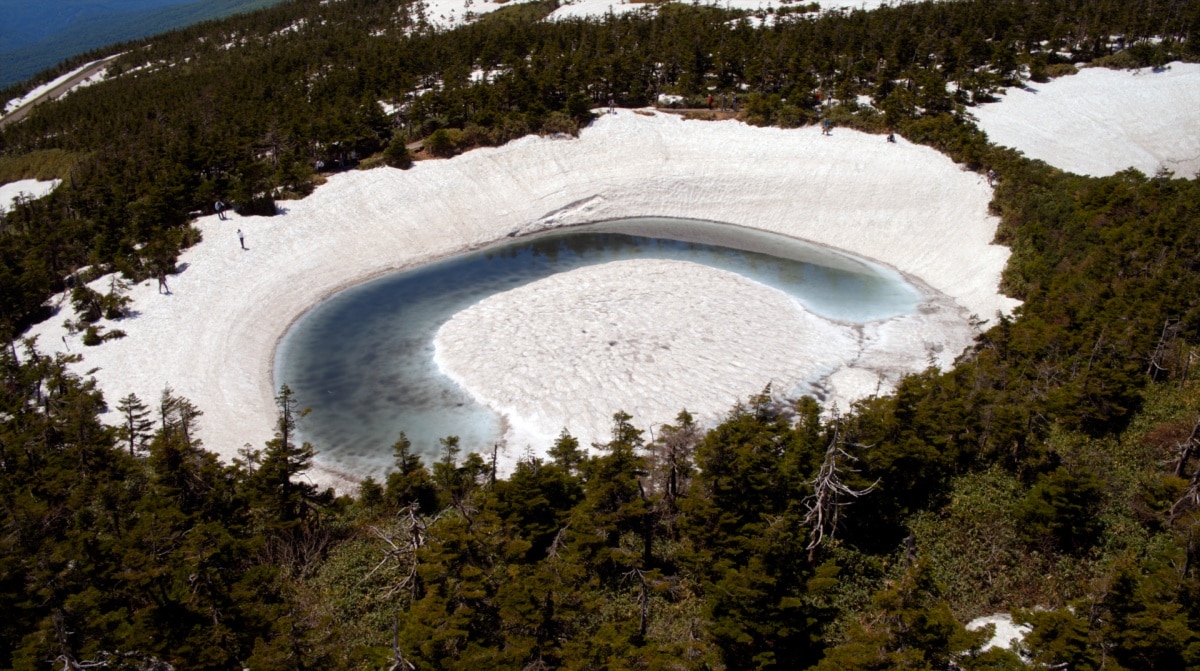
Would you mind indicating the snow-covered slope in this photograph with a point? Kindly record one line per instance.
(213, 338)
(1102, 121)
(25, 188)
(597, 8)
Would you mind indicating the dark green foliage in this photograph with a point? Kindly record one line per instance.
(135, 423)
(397, 155)
(912, 628)
(410, 484)
(1138, 620)
(692, 550)
(1060, 510)
(284, 499)
(445, 142)
(109, 558)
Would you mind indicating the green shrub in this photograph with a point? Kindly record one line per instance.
(262, 205)
(88, 303)
(1061, 510)
(558, 123)
(1060, 70)
(43, 164)
(445, 142)
(397, 155)
(91, 337)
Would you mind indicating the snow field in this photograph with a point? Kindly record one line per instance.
(25, 188)
(1101, 121)
(647, 337)
(213, 338)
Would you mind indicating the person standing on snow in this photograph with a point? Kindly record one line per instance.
(241, 238)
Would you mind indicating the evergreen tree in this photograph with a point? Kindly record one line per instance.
(410, 483)
(283, 499)
(135, 423)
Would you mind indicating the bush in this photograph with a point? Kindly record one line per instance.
(1061, 510)
(397, 155)
(579, 108)
(262, 205)
(88, 303)
(558, 123)
(91, 337)
(445, 142)
(511, 127)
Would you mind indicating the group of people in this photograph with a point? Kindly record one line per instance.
(725, 102)
(220, 208)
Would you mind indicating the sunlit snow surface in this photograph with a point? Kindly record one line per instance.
(213, 338)
(25, 188)
(653, 337)
(448, 14)
(1006, 633)
(570, 9)
(1101, 121)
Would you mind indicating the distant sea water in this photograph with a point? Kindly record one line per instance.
(36, 35)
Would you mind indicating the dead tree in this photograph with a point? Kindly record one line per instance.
(1162, 351)
(1186, 449)
(829, 496)
(412, 536)
(398, 661)
(643, 601)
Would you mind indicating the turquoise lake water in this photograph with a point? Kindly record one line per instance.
(363, 359)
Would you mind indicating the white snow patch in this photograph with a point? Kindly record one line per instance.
(481, 76)
(450, 14)
(1101, 121)
(647, 337)
(1007, 633)
(100, 76)
(25, 188)
(572, 9)
(293, 27)
(584, 9)
(653, 337)
(213, 338)
(17, 103)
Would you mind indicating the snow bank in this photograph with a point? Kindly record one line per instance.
(450, 14)
(646, 337)
(583, 9)
(1007, 633)
(25, 188)
(17, 103)
(1102, 121)
(213, 338)
(572, 9)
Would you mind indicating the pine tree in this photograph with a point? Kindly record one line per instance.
(410, 483)
(135, 423)
(285, 500)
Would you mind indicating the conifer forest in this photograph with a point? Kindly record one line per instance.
(1053, 473)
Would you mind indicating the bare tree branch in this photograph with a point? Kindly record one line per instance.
(829, 496)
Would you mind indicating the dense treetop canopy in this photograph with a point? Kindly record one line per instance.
(1054, 466)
